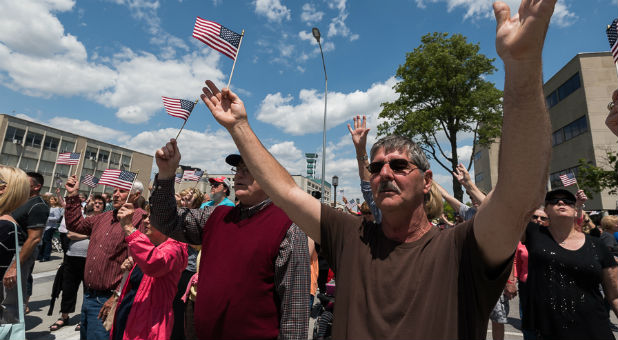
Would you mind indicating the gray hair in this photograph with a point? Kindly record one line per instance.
(402, 144)
(137, 186)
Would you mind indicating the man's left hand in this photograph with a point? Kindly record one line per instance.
(225, 105)
(510, 290)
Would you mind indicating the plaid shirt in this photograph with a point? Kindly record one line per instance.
(291, 265)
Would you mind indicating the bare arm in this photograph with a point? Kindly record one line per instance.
(526, 131)
(452, 201)
(610, 287)
(230, 112)
(75, 236)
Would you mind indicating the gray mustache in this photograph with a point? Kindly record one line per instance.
(390, 186)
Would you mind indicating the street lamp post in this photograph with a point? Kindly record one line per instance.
(316, 34)
(335, 184)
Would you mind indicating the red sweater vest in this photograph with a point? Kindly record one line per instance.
(236, 287)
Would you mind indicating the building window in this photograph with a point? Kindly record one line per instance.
(14, 135)
(126, 162)
(46, 168)
(477, 156)
(563, 91)
(67, 146)
(51, 143)
(103, 156)
(34, 140)
(8, 160)
(570, 131)
(91, 154)
(28, 164)
(478, 177)
(569, 87)
(62, 170)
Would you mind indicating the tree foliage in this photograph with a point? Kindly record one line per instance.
(442, 92)
(594, 179)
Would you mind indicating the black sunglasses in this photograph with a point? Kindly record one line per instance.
(555, 201)
(397, 165)
(542, 218)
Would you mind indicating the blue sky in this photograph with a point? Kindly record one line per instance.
(99, 67)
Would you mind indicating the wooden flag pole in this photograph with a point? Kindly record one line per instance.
(183, 124)
(134, 179)
(242, 34)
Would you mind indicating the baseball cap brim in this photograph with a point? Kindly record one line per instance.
(233, 159)
(559, 192)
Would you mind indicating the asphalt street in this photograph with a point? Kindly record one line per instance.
(38, 322)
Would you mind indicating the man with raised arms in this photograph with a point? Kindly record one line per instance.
(402, 278)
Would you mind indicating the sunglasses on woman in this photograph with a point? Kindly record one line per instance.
(398, 165)
(542, 218)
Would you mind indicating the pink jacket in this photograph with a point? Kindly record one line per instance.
(151, 315)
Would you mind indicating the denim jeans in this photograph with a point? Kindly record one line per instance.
(46, 245)
(91, 326)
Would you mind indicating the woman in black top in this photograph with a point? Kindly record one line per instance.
(565, 269)
(14, 191)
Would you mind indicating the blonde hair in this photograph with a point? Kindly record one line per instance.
(433, 202)
(17, 189)
(197, 195)
(608, 222)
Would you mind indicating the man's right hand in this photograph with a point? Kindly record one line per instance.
(72, 186)
(462, 175)
(168, 159)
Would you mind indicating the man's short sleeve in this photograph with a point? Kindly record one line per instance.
(334, 226)
(37, 217)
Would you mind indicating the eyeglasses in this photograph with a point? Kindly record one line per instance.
(555, 201)
(242, 169)
(542, 218)
(95, 203)
(215, 184)
(398, 165)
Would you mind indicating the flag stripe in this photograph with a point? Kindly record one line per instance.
(118, 178)
(216, 36)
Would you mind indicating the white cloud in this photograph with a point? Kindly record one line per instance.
(308, 115)
(90, 129)
(53, 62)
(464, 153)
(273, 10)
(310, 15)
(482, 9)
(337, 26)
(289, 156)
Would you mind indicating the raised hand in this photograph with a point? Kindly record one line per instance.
(359, 134)
(168, 159)
(462, 174)
(72, 186)
(521, 37)
(225, 105)
(580, 198)
(612, 117)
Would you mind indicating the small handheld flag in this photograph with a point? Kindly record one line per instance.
(118, 179)
(179, 108)
(192, 175)
(218, 37)
(90, 180)
(612, 37)
(568, 179)
(70, 158)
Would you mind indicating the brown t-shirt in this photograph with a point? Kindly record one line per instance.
(437, 287)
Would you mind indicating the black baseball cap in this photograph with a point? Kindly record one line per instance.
(561, 193)
(233, 159)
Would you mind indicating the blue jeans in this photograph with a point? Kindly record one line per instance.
(91, 326)
(46, 245)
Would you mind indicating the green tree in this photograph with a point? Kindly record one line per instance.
(594, 179)
(442, 92)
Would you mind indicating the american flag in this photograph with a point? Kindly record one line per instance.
(568, 179)
(612, 36)
(178, 178)
(178, 107)
(90, 180)
(70, 158)
(118, 179)
(192, 175)
(217, 37)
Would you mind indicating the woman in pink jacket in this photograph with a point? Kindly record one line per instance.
(144, 310)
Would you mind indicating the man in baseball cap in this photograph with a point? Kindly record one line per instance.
(219, 192)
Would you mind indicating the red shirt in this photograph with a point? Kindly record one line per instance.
(521, 262)
(107, 249)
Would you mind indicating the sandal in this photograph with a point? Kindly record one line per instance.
(59, 324)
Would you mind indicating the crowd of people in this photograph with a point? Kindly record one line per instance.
(199, 265)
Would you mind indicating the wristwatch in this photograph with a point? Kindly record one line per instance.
(362, 158)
